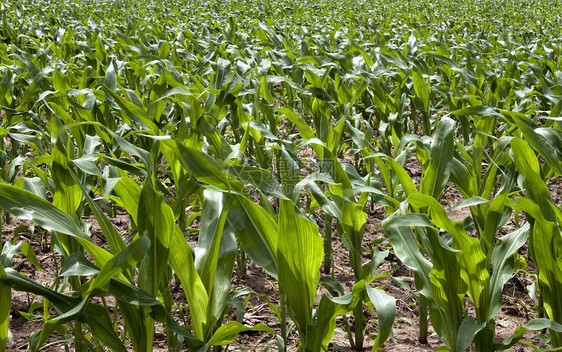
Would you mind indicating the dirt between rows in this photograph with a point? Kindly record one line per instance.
(517, 309)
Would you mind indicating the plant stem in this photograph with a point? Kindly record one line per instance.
(328, 255)
(348, 330)
(359, 322)
(8, 218)
(283, 317)
(423, 319)
(555, 339)
(241, 262)
(541, 307)
(78, 337)
(182, 221)
(426, 123)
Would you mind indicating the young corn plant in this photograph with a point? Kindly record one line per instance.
(351, 218)
(74, 309)
(455, 254)
(206, 271)
(545, 235)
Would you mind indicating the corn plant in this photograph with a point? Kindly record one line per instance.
(543, 216)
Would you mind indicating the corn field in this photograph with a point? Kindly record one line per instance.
(262, 136)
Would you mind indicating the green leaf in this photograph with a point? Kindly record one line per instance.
(111, 235)
(472, 260)
(125, 292)
(539, 143)
(129, 194)
(545, 242)
(257, 233)
(406, 248)
(27, 205)
(156, 223)
(542, 323)
(228, 332)
(67, 195)
(299, 256)
(385, 306)
(100, 324)
(76, 264)
(353, 221)
(421, 88)
(478, 110)
(503, 265)
(436, 174)
(536, 189)
(332, 167)
(470, 202)
(182, 263)
(132, 112)
(260, 178)
(405, 180)
(290, 175)
(129, 256)
(29, 253)
(5, 307)
(215, 254)
(467, 331)
(205, 168)
(111, 77)
(321, 332)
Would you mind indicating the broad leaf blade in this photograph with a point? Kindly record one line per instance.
(300, 254)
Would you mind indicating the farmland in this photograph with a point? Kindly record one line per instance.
(259, 175)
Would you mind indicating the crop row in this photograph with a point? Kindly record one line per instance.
(245, 123)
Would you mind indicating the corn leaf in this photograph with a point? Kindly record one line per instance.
(257, 233)
(26, 205)
(5, 306)
(299, 256)
(436, 173)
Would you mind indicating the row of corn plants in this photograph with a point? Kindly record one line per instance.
(267, 132)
